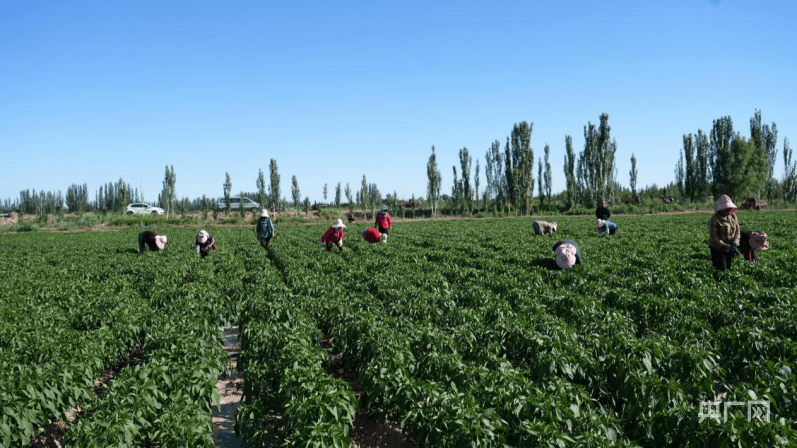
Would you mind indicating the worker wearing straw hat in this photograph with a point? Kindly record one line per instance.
(724, 233)
(264, 229)
(334, 235)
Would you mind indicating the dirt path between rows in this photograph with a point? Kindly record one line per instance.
(230, 389)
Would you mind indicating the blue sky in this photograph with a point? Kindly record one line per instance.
(91, 91)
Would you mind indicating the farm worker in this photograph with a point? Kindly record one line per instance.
(373, 236)
(567, 254)
(264, 229)
(603, 224)
(750, 242)
(152, 240)
(724, 233)
(383, 222)
(334, 235)
(543, 228)
(204, 243)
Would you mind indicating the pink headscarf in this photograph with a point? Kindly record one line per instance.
(725, 203)
(553, 226)
(160, 241)
(600, 223)
(202, 237)
(758, 241)
(565, 256)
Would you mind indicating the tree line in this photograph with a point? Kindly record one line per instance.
(720, 162)
(590, 177)
(725, 162)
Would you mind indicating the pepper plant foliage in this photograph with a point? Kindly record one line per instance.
(456, 329)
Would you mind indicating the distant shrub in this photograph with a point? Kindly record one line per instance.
(63, 224)
(580, 211)
(24, 225)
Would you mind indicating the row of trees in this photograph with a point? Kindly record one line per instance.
(509, 173)
(721, 162)
(725, 162)
(111, 197)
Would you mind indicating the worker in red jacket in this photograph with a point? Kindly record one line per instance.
(383, 222)
(374, 236)
(334, 235)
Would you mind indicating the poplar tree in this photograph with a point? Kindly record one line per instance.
(337, 195)
(496, 180)
(476, 182)
(297, 197)
(570, 178)
(227, 189)
(434, 179)
(168, 192)
(765, 138)
(465, 188)
(789, 183)
(548, 178)
(261, 189)
(274, 189)
(455, 190)
(539, 182)
(690, 172)
(633, 174)
(702, 164)
(721, 138)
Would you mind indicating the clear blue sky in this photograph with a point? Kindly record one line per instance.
(91, 91)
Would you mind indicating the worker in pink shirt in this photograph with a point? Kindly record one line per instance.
(373, 236)
(383, 222)
(334, 235)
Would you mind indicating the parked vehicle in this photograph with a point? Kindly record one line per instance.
(754, 203)
(141, 208)
(235, 204)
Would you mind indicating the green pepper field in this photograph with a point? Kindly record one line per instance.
(457, 329)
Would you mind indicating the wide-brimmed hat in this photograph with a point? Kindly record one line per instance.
(724, 203)
(600, 223)
(553, 226)
(565, 256)
(338, 224)
(160, 241)
(264, 214)
(203, 236)
(383, 238)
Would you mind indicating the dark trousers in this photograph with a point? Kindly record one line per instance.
(536, 226)
(722, 260)
(265, 242)
(336, 243)
(384, 230)
(744, 245)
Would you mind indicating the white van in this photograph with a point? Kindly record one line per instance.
(235, 204)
